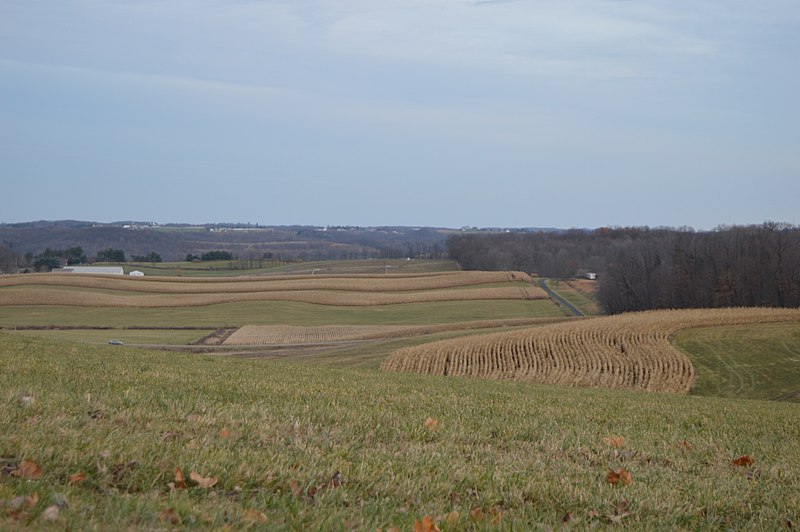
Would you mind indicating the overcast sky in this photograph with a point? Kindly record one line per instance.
(401, 112)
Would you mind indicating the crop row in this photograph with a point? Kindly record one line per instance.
(287, 334)
(362, 283)
(37, 295)
(625, 351)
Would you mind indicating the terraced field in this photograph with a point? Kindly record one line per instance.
(358, 290)
(626, 351)
(288, 334)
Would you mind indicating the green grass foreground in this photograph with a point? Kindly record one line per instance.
(302, 447)
(760, 361)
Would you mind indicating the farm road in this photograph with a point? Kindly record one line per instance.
(572, 308)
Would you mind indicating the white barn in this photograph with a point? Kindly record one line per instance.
(105, 270)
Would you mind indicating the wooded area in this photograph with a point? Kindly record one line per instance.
(643, 268)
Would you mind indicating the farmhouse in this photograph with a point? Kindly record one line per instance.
(107, 270)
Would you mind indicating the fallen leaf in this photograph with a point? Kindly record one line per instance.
(496, 513)
(180, 480)
(431, 423)
(622, 475)
(297, 490)
(28, 469)
(28, 501)
(169, 515)
(225, 433)
(476, 514)
(27, 400)
(452, 518)
(203, 482)
(50, 513)
(311, 492)
(426, 525)
(254, 516)
(615, 441)
(743, 461)
(566, 518)
(77, 478)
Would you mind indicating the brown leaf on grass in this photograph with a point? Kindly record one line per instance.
(566, 518)
(431, 423)
(203, 482)
(743, 461)
(426, 524)
(452, 518)
(476, 514)
(297, 489)
(621, 475)
(225, 433)
(254, 516)
(28, 469)
(496, 514)
(180, 480)
(50, 513)
(23, 502)
(615, 441)
(169, 516)
(77, 478)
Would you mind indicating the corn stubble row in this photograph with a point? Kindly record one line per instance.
(630, 351)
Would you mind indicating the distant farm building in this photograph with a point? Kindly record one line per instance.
(105, 270)
(591, 275)
(136, 273)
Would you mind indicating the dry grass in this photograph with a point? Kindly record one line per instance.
(626, 351)
(288, 335)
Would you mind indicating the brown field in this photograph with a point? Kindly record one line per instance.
(54, 296)
(351, 283)
(625, 351)
(288, 335)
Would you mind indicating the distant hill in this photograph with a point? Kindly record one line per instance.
(174, 241)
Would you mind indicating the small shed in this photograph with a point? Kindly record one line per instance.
(136, 273)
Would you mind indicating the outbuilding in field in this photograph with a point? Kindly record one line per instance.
(136, 273)
(106, 270)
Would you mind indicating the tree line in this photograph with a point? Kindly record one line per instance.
(644, 268)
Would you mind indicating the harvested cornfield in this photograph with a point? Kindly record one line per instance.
(38, 295)
(350, 283)
(287, 334)
(625, 351)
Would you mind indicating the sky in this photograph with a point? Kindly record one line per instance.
(557, 113)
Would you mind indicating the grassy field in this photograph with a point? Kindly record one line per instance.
(128, 336)
(276, 312)
(745, 361)
(575, 291)
(93, 437)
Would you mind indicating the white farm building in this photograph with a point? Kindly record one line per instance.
(105, 270)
